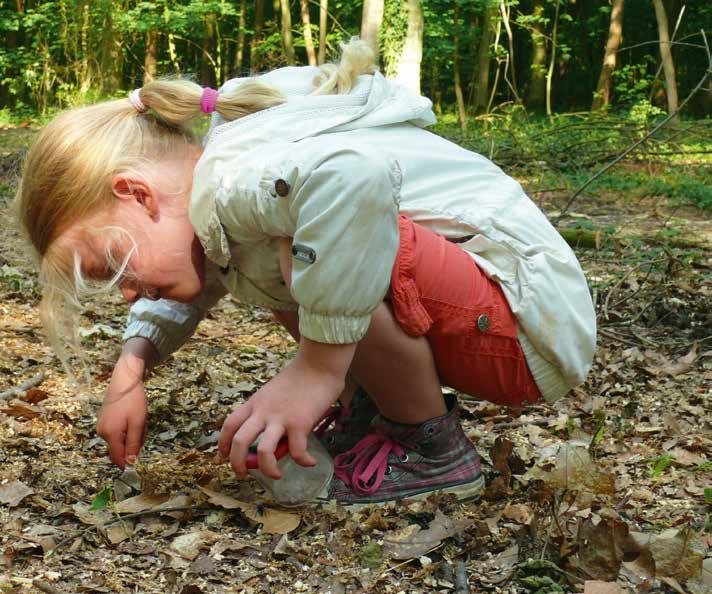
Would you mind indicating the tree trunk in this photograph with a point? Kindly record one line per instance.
(287, 31)
(255, 61)
(505, 10)
(323, 13)
(462, 112)
(172, 53)
(207, 61)
(552, 61)
(408, 67)
(149, 60)
(483, 60)
(668, 64)
(536, 96)
(615, 36)
(240, 51)
(371, 22)
(308, 43)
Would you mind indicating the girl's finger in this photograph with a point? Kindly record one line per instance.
(241, 443)
(117, 452)
(134, 441)
(265, 451)
(233, 422)
(298, 448)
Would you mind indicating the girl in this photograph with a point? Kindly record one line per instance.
(398, 260)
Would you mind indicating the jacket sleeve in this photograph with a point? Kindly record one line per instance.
(345, 217)
(169, 324)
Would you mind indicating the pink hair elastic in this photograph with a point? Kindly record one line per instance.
(136, 101)
(208, 100)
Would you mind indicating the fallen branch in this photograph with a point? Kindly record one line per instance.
(636, 144)
(46, 587)
(33, 382)
(462, 585)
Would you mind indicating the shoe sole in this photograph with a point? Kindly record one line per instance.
(464, 492)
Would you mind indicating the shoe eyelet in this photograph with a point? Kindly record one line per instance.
(388, 470)
(430, 430)
(404, 459)
(331, 440)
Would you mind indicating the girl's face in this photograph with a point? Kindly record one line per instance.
(148, 220)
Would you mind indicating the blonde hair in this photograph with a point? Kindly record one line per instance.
(68, 171)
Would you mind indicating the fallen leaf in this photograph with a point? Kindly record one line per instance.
(189, 545)
(518, 512)
(413, 541)
(666, 367)
(598, 587)
(22, 410)
(118, 532)
(675, 554)
(273, 521)
(601, 547)
(575, 471)
(14, 492)
(139, 503)
(101, 499)
(93, 518)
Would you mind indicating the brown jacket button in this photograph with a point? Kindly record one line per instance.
(281, 187)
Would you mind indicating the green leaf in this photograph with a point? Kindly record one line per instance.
(660, 464)
(101, 500)
(708, 495)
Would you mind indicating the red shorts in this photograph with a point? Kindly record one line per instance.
(438, 291)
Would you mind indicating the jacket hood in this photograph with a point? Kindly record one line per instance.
(373, 101)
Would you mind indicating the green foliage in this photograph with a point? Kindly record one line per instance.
(101, 500)
(660, 464)
(392, 34)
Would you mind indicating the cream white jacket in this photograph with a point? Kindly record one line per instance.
(333, 172)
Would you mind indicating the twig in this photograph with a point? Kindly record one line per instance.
(33, 382)
(401, 564)
(462, 585)
(622, 280)
(636, 144)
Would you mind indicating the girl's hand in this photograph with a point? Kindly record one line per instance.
(122, 419)
(292, 403)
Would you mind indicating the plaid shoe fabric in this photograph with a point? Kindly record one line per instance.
(351, 423)
(397, 461)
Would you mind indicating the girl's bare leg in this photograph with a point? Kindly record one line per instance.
(396, 369)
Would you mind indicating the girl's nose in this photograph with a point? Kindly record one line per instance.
(130, 294)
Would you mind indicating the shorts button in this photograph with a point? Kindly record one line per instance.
(483, 322)
(281, 187)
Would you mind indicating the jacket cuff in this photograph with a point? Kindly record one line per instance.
(153, 333)
(332, 329)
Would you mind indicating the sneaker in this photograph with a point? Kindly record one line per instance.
(397, 461)
(351, 423)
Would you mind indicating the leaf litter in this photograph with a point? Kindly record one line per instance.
(601, 492)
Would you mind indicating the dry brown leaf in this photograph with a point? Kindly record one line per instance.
(413, 541)
(14, 492)
(22, 410)
(189, 545)
(666, 367)
(601, 546)
(574, 470)
(675, 554)
(272, 520)
(92, 517)
(139, 503)
(119, 532)
(518, 512)
(598, 587)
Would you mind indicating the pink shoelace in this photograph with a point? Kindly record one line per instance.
(364, 466)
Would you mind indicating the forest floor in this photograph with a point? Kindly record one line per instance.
(602, 492)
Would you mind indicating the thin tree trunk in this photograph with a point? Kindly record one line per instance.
(240, 52)
(207, 62)
(615, 36)
(85, 75)
(308, 42)
(668, 64)
(462, 112)
(536, 96)
(323, 13)
(408, 67)
(371, 22)
(172, 53)
(506, 10)
(552, 61)
(255, 61)
(149, 60)
(287, 31)
(483, 60)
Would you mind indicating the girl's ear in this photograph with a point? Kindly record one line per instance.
(135, 188)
